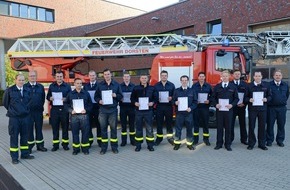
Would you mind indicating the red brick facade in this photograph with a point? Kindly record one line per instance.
(235, 15)
(68, 13)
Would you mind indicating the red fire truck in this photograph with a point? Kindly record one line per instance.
(177, 54)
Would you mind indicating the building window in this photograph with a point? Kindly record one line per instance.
(14, 7)
(32, 13)
(4, 8)
(49, 16)
(26, 11)
(41, 14)
(214, 27)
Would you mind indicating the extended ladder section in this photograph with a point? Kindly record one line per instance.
(100, 46)
(272, 43)
(277, 42)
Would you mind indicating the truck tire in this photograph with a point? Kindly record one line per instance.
(212, 117)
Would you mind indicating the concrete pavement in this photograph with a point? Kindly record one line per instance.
(203, 168)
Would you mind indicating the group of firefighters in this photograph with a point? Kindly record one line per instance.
(96, 105)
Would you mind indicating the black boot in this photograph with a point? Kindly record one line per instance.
(206, 141)
(158, 141)
(124, 140)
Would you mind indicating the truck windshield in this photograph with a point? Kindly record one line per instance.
(224, 61)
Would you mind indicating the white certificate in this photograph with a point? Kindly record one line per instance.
(258, 98)
(223, 103)
(202, 97)
(183, 103)
(127, 97)
(57, 98)
(163, 96)
(92, 95)
(241, 97)
(78, 105)
(143, 103)
(107, 97)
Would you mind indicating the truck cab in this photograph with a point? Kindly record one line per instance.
(213, 60)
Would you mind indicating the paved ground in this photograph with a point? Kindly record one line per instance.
(203, 168)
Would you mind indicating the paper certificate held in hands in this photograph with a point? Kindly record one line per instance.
(127, 97)
(183, 103)
(163, 96)
(258, 98)
(78, 105)
(92, 95)
(143, 103)
(202, 97)
(241, 97)
(223, 103)
(107, 97)
(57, 98)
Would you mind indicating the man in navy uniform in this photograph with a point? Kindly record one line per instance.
(258, 96)
(201, 113)
(164, 109)
(17, 100)
(224, 98)
(186, 101)
(144, 96)
(36, 112)
(56, 94)
(93, 115)
(277, 109)
(108, 94)
(80, 105)
(240, 109)
(127, 110)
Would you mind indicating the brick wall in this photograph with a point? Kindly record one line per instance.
(68, 13)
(235, 16)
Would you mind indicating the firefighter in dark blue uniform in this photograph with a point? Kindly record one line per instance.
(94, 114)
(80, 105)
(224, 98)
(36, 112)
(186, 101)
(258, 96)
(240, 109)
(17, 101)
(127, 110)
(108, 94)
(58, 112)
(144, 97)
(164, 108)
(201, 113)
(277, 109)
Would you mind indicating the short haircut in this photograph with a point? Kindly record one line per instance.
(106, 69)
(92, 71)
(237, 70)
(143, 74)
(225, 71)
(277, 71)
(126, 73)
(59, 72)
(19, 75)
(257, 72)
(184, 76)
(163, 71)
(201, 73)
(77, 79)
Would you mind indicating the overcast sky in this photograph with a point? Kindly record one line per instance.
(146, 5)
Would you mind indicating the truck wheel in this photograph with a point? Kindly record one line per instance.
(212, 117)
